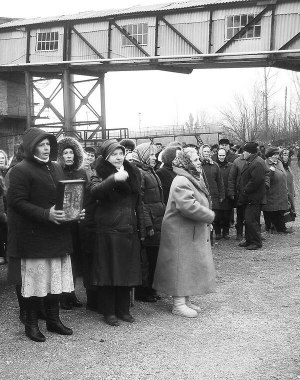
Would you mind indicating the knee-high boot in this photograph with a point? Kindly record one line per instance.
(31, 326)
(21, 301)
(54, 323)
(180, 308)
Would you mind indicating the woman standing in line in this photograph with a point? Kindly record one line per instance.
(285, 158)
(36, 234)
(277, 195)
(71, 158)
(144, 157)
(119, 228)
(185, 265)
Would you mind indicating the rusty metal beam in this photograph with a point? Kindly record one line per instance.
(87, 42)
(180, 35)
(244, 29)
(128, 36)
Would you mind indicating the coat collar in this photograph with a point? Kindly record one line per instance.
(184, 173)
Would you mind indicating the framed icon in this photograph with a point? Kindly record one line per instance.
(69, 198)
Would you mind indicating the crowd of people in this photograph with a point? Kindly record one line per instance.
(149, 220)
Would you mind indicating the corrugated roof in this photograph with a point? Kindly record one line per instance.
(115, 12)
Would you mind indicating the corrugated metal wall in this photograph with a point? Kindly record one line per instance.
(12, 47)
(193, 25)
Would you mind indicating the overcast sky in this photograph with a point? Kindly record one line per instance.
(150, 98)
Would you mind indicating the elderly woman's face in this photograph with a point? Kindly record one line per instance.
(152, 157)
(206, 152)
(116, 158)
(285, 156)
(195, 160)
(2, 160)
(42, 149)
(68, 157)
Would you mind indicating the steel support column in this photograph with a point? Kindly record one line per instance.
(29, 99)
(67, 101)
(103, 108)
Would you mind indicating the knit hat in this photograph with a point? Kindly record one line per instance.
(251, 147)
(109, 146)
(128, 144)
(90, 149)
(142, 153)
(169, 154)
(271, 151)
(224, 141)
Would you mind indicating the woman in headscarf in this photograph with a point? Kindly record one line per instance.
(277, 194)
(285, 158)
(185, 265)
(3, 163)
(71, 158)
(144, 157)
(37, 234)
(119, 228)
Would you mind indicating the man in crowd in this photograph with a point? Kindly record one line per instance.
(225, 144)
(252, 195)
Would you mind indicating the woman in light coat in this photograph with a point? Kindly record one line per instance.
(185, 265)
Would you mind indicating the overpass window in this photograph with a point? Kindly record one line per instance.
(235, 23)
(47, 41)
(139, 32)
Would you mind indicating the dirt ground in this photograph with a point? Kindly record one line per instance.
(247, 330)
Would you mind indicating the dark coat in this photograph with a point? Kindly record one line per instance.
(235, 176)
(215, 182)
(166, 176)
(252, 186)
(31, 194)
(225, 168)
(119, 225)
(277, 195)
(153, 204)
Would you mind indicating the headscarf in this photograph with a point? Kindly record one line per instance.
(184, 162)
(202, 159)
(142, 153)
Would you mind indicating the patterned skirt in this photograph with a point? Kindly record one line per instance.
(43, 276)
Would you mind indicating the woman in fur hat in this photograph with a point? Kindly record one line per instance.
(71, 158)
(119, 228)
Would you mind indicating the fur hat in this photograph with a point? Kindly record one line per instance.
(128, 144)
(224, 141)
(271, 151)
(251, 147)
(70, 143)
(169, 154)
(109, 146)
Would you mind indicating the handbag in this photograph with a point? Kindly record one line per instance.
(289, 216)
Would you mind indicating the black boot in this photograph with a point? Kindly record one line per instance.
(31, 327)
(54, 323)
(22, 308)
(74, 300)
(42, 314)
(65, 302)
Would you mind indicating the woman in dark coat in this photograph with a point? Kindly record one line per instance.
(119, 228)
(154, 210)
(277, 195)
(166, 173)
(223, 213)
(36, 234)
(71, 158)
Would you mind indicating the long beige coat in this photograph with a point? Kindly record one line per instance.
(185, 265)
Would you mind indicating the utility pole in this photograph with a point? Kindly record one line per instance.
(285, 109)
